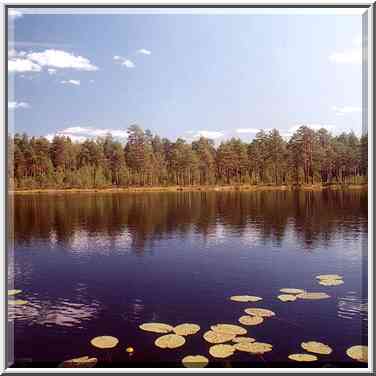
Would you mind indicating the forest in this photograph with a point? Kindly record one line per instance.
(147, 160)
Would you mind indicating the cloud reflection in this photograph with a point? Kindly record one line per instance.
(352, 307)
(60, 312)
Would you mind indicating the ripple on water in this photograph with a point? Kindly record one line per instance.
(47, 313)
(352, 307)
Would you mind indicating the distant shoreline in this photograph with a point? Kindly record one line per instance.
(212, 188)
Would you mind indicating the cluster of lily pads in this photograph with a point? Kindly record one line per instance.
(217, 336)
(358, 353)
(291, 294)
(224, 338)
(311, 347)
(174, 337)
(228, 338)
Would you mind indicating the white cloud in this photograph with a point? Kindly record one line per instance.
(71, 82)
(73, 137)
(23, 65)
(15, 105)
(143, 51)
(81, 134)
(21, 61)
(118, 133)
(128, 63)
(286, 135)
(347, 56)
(61, 59)
(247, 130)
(13, 13)
(75, 130)
(14, 53)
(207, 134)
(340, 111)
(124, 61)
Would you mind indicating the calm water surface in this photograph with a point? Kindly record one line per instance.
(102, 264)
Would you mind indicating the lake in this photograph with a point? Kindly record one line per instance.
(104, 263)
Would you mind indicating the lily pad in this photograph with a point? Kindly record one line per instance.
(186, 329)
(156, 327)
(13, 292)
(245, 298)
(261, 312)
(256, 347)
(251, 320)
(303, 357)
(169, 341)
(316, 347)
(313, 296)
(244, 346)
(292, 291)
(243, 340)
(195, 361)
(229, 328)
(286, 297)
(329, 276)
(331, 282)
(359, 353)
(81, 362)
(218, 337)
(17, 302)
(221, 351)
(104, 342)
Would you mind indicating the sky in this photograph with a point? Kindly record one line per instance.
(217, 75)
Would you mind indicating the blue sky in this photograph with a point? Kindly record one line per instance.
(183, 75)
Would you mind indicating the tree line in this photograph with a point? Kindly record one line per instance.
(308, 157)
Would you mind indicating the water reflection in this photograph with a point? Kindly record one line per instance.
(352, 307)
(60, 312)
(123, 221)
(77, 261)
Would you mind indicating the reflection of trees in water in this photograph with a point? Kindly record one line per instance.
(318, 216)
(312, 216)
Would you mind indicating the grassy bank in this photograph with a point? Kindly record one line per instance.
(204, 188)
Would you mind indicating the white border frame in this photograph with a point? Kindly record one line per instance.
(3, 171)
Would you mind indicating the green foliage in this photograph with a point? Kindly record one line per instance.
(308, 157)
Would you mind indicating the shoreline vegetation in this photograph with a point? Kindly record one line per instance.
(213, 188)
(309, 160)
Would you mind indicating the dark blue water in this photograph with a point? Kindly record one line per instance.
(102, 264)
